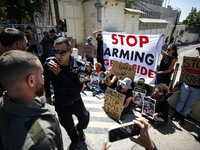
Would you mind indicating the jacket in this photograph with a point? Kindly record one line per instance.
(23, 127)
(68, 83)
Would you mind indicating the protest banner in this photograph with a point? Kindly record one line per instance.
(190, 73)
(138, 95)
(148, 107)
(124, 70)
(86, 49)
(142, 51)
(113, 102)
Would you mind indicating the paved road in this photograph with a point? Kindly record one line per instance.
(171, 136)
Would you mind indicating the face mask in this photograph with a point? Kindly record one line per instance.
(123, 86)
(88, 41)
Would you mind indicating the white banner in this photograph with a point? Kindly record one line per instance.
(142, 51)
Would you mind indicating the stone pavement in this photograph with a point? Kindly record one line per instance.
(170, 136)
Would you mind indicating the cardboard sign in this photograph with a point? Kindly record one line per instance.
(113, 102)
(190, 73)
(124, 70)
(86, 49)
(148, 107)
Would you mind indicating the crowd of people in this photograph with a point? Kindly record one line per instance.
(24, 77)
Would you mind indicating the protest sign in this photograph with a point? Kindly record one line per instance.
(138, 95)
(148, 107)
(113, 102)
(190, 73)
(124, 70)
(94, 80)
(86, 49)
(142, 51)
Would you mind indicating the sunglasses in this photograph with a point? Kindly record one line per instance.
(61, 52)
(27, 44)
(99, 35)
(168, 50)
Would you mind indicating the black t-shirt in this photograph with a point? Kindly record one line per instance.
(128, 93)
(165, 63)
(163, 107)
(114, 85)
(99, 47)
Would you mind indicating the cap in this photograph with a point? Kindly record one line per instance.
(140, 82)
(88, 64)
(59, 34)
(45, 32)
(89, 38)
(126, 81)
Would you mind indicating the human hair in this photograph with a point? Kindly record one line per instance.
(10, 36)
(61, 40)
(162, 88)
(15, 66)
(174, 47)
(140, 82)
(84, 55)
(99, 65)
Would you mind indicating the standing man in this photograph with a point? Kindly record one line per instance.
(14, 39)
(67, 77)
(188, 97)
(26, 123)
(98, 36)
(47, 43)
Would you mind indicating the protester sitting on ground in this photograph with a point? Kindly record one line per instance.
(126, 89)
(164, 71)
(98, 67)
(141, 84)
(109, 81)
(26, 123)
(162, 106)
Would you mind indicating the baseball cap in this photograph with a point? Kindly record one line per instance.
(88, 64)
(126, 81)
(89, 38)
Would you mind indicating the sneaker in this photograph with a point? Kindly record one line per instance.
(176, 116)
(81, 135)
(101, 95)
(182, 120)
(73, 145)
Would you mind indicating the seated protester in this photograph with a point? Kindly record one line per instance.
(110, 80)
(141, 84)
(98, 67)
(126, 89)
(88, 71)
(162, 106)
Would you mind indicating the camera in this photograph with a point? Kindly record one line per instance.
(123, 131)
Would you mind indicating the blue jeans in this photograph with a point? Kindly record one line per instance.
(188, 97)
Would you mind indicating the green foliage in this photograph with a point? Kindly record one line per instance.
(19, 11)
(129, 3)
(193, 19)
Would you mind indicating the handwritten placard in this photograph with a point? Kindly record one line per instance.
(113, 102)
(124, 70)
(190, 72)
(86, 49)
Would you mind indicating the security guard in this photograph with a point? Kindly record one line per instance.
(67, 76)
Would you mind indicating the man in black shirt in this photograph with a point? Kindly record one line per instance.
(98, 36)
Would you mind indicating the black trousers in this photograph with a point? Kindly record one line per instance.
(65, 116)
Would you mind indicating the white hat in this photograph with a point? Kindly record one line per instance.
(126, 81)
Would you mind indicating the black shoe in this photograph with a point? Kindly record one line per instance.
(73, 145)
(176, 116)
(81, 135)
(182, 120)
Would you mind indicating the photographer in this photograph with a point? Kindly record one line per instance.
(47, 43)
